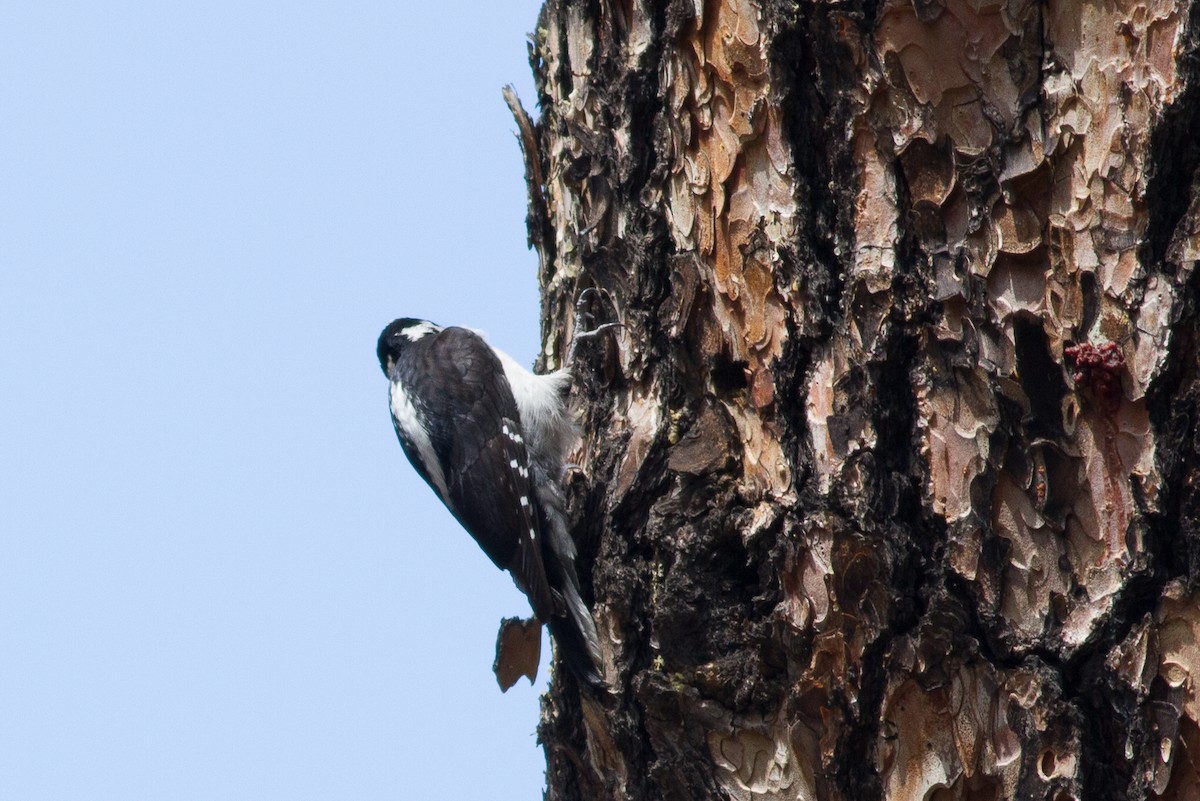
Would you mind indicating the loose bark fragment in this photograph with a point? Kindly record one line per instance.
(518, 651)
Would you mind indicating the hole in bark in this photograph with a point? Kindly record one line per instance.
(1046, 763)
(1070, 414)
(729, 377)
(1040, 375)
(1091, 305)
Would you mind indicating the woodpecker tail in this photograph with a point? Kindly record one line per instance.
(571, 625)
(577, 643)
(575, 631)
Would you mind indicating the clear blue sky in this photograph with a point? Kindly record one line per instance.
(219, 577)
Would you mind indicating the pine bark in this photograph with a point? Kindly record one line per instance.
(890, 482)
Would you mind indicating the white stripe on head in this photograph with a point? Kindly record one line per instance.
(415, 332)
(406, 416)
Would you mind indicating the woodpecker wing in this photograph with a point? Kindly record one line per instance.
(480, 464)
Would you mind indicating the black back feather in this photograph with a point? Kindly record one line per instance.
(477, 440)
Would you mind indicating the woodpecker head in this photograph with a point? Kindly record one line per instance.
(398, 335)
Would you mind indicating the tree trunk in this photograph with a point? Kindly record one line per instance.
(892, 486)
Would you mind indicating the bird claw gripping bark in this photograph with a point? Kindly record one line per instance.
(583, 318)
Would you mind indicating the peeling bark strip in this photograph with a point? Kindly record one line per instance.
(894, 483)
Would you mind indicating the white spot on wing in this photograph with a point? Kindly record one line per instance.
(406, 417)
(513, 435)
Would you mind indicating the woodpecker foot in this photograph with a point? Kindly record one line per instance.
(583, 318)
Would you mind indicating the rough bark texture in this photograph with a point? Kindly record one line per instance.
(892, 482)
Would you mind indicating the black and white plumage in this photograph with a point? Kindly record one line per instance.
(490, 438)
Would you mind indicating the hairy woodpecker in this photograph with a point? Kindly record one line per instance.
(490, 438)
